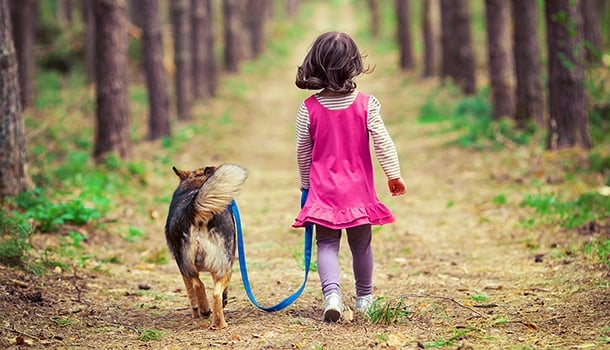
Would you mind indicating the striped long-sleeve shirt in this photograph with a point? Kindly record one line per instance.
(385, 151)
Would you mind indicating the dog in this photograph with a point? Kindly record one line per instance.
(200, 233)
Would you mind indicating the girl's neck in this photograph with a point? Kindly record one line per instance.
(330, 93)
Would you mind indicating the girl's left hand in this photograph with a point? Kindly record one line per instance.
(397, 187)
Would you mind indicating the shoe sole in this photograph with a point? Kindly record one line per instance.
(332, 315)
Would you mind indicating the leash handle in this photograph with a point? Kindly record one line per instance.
(242, 260)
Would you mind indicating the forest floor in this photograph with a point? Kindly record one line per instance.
(470, 275)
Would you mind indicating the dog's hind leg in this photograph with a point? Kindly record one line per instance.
(219, 300)
(196, 293)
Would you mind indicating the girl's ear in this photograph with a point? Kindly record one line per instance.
(182, 174)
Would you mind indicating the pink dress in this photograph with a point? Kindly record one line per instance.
(342, 190)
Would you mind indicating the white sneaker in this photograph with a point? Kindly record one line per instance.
(363, 303)
(333, 307)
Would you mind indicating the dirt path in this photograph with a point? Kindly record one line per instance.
(463, 266)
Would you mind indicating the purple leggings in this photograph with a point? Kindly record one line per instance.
(328, 242)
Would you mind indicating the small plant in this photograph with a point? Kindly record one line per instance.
(387, 311)
(14, 241)
(599, 248)
(457, 335)
(151, 334)
(300, 259)
(62, 321)
(479, 297)
(133, 234)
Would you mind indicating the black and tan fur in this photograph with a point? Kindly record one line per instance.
(200, 233)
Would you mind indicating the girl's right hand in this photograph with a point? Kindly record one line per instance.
(397, 187)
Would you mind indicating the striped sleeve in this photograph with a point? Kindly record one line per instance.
(382, 142)
(304, 145)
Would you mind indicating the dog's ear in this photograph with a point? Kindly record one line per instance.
(182, 174)
(209, 171)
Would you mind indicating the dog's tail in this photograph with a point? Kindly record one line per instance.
(218, 191)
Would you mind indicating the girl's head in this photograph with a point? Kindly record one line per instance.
(331, 63)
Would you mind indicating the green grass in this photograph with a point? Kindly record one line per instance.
(387, 311)
(471, 117)
(151, 334)
(570, 214)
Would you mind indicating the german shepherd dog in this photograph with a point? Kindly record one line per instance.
(200, 233)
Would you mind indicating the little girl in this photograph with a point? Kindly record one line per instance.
(333, 153)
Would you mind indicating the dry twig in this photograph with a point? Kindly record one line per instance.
(444, 298)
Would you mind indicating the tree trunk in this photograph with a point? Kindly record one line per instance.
(112, 134)
(374, 13)
(591, 11)
(292, 7)
(256, 23)
(458, 62)
(199, 28)
(23, 18)
(568, 125)
(232, 32)
(501, 60)
(89, 24)
(181, 24)
(13, 151)
(431, 26)
(210, 66)
(403, 15)
(156, 76)
(530, 96)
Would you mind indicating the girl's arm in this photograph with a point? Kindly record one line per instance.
(304, 145)
(382, 142)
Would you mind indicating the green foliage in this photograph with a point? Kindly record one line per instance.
(479, 297)
(151, 334)
(14, 240)
(384, 311)
(600, 249)
(50, 216)
(590, 206)
(472, 118)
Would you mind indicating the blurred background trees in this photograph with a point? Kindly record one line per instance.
(193, 43)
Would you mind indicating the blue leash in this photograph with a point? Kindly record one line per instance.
(242, 260)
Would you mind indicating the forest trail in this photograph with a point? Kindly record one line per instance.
(462, 265)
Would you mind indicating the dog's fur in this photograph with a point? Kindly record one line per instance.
(200, 233)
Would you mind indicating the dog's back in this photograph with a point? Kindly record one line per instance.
(200, 232)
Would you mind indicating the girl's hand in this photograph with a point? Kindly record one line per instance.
(397, 187)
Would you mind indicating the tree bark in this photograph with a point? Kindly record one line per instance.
(211, 67)
(112, 134)
(256, 23)
(591, 11)
(23, 18)
(529, 93)
(568, 124)
(156, 76)
(89, 24)
(374, 13)
(13, 152)
(232, 32)
(458, 61)
(500, 58)
(403, 16)
(181, 24)
(430, 30)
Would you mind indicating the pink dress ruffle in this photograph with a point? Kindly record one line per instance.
(374, 214)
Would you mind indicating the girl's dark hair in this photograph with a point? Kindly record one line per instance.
(331, 63)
